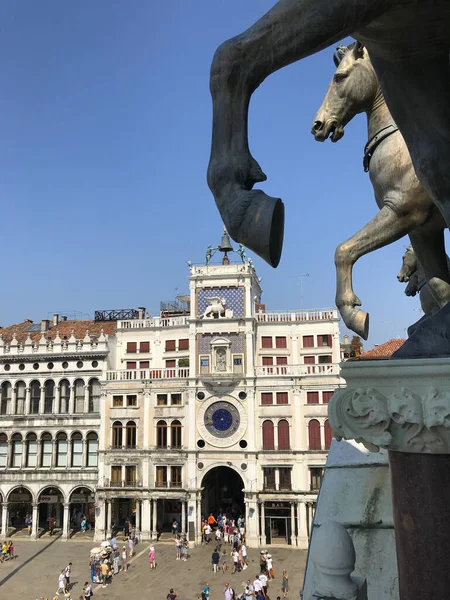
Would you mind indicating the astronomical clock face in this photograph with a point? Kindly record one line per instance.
(222, 419)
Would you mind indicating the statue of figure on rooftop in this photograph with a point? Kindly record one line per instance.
(209, 254)
(241, 252)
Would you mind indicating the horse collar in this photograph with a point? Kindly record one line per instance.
(374, 142)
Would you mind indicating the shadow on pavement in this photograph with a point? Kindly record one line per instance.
(24, 564)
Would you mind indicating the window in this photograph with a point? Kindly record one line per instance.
(308, 341)
(117, 401)
(183, 344)
(175, 434)
(283, 435)
(326, 397)
(161, 400)
(266, 341)
(204, 364)
(285, 478)
(94, 396)
(175, 399)
(237, 364)
(161, 434)
(312, 397)
(46, 445)
(77, 450)
(116, 475)
(282, 398)
(281, 361)
(324, 340)
(323, 360)
(269, 478)
(170, 345)
(64, 390)
(92, 450)
(35, 394)
(131, 347)
(161, 476)
(280, 342)
(5, 405)
(3, 450)
(49, 397)
(314, 435)
(175, 476)
(117, 434)
(20, 398)
(266, 398)
(328, 434)
(130, 475)
(268, 436)
(144, 347)
(131, 365)
(61, 450)
(132, 400)
(267, 361)
(130, 429)
(316, 476)
(16, 450)
(144, 364)
(31, 449)
(79, 396)
(309, 360)
(171, 364)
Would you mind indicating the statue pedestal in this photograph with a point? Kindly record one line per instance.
(404, 406)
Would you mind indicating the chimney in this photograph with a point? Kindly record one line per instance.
(141, 312)
(55, 319)
(345, 339)
(45, 325)
(63, 318)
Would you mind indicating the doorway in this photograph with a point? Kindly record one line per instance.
(223, 492)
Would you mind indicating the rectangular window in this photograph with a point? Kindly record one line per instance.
(16, 454)
(171, 364)
(266, 341)
(204, 364)
(269, 478)
(61, 453)
(312, 397)
(326, 397)
(266, 398)
(32, 453)
(3, 453)
(282, 398)
(175, 476)
(161, 476)
(267, 361)
(130, 435)
(79, 398)
(131, 365)
(161, 399)
(170, 345)
(285, 478)
(92, 453)
(175, 399)
(282, 362)
(308, 341)
(280, 342)
(20, 399)
(175, 435)
(132, 400)
(77, 453)
(316, 475)
(183, 344)
(144, 364)
(131, 347)
(324, 360)
(117, 401)
(144, 347)
(46, 453)
(237, 361)
(309, 360)
(130, 476)
(116, 475)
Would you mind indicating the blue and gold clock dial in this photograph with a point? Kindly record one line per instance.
(222, 419)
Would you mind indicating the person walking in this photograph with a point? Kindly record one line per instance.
(152, 558)
(124, 559)
(228, 592)
(207, 533)
(171, 595)
(29, 523)
(285, 583)
(51, 525)
(87, 590)
(130, 546)
(244, 556)
(269, 566)
(11, 549)
(61, 583)
(215, 557)
(67, 573)
(116, 559)
(178, 547)
(105, 572)
(224, 561)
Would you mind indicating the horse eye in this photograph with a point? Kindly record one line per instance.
(338, 77)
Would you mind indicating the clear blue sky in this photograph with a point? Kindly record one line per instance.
(105, 127)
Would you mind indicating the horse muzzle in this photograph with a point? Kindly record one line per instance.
(331, 128)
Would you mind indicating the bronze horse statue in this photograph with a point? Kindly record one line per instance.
(405, 207)
(408, 42)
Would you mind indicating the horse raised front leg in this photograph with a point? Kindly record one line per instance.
(291, 30)
(386, 227)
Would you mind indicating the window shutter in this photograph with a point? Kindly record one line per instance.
(314, 435)
(326, 397)
(266, 341)
(267, 360)
(282, 398)
(308, 341)
(131, 364)
(309, 360)
(282, 360)
(170, 345)
(328, 435)
(283, 435)
(144, 364)
(170, 364)
(131, 346)
(319, 341)
(312, 397)
(183, 344)
(330, 341)
(144, 347)
(266, 398)
(280, 342)
(268, 436)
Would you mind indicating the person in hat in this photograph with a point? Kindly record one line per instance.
(269, 566)
(151, 557)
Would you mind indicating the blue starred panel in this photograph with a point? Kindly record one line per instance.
(234, 299)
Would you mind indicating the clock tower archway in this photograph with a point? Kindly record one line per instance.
(223, 491)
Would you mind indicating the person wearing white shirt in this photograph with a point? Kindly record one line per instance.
(263, 580)
(257, 585)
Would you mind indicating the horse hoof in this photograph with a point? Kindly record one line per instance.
(357, 321)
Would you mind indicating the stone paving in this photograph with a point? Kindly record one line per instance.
(35, 572)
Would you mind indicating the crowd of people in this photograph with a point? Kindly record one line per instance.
(7, 551)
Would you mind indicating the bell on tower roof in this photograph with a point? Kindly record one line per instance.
(225, 247)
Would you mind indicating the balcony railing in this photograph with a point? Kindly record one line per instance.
(153, 322)
(168, 484)
(325, 314)
(297, 370)
(140, 374)
(108, 483)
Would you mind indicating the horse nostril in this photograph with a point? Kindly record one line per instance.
(317, 126)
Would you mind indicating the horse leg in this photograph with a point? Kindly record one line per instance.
(386, 227)
(291, 30)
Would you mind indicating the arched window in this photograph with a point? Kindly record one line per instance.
(314, 435)
(77, 449)
(130, 430)
(268, 436)
(46, 450)
(16, 450)
(49, 397)
(79, 396)
(117, 434)
(3, 450)
(161, 434)
(328, 434)
(64, 394)
(94, 396)
(31, 455)
(175, 434)
(92, 450)
(283, 435)
(5, 404)
(35, 395)
(61, 450)
(20, 398)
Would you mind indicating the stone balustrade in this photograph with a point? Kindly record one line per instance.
(149, 374)
(326, 314)
(153, 322)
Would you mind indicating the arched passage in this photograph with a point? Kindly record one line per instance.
(223, 492)
(20, 507)
(82, 504)
(50, 506)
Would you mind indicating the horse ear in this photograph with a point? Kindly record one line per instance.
(339, 54)
(358, 50)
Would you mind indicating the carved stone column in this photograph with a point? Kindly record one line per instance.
(66, 522)
(27, 400)
(183, 516)
(145, 525)
(138, 517)
(108, 517)
(302, 527)
(404, 405)
(42, 399)
(5, 519)
(262, 540)
(155, 518)
(293, 536)
(57, 408)
(35, 517)
(86, 399)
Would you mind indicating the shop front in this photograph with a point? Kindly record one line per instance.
(278, 526)
(19, 507)
(50, 502)
(82, 504)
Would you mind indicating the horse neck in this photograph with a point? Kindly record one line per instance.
(378, 115)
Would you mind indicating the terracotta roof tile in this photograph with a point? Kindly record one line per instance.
(383, 351)
(64, 328)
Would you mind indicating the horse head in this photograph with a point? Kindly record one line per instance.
(409, 265)
(351, 91)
